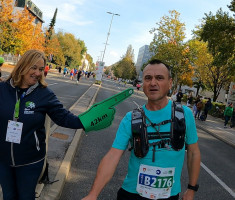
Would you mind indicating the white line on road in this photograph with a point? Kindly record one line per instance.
(218, 180)
(53, 84)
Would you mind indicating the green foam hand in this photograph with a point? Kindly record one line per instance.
(101, 115)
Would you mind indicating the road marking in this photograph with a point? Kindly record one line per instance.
(52, 84)
(218, 180)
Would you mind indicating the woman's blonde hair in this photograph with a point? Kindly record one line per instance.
(28, 60)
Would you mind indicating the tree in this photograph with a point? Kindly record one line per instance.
(71, 49)
(54, 48)
(51, 27)
(18, 33)
(168, 46)
(29, 35)
(130, 53)
(219, 33)
(232, 6)
(7, 29)
(125, 68)
(200, 58)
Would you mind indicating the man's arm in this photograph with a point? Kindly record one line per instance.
(105, 172)
(193, 163)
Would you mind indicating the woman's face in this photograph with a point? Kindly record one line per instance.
(33, 75)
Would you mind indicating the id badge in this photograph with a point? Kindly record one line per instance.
(14, 131)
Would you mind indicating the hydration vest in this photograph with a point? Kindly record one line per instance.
(175, 138)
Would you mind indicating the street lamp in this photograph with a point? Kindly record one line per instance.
(99, 71)
(108, 33)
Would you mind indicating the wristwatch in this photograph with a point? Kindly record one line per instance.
(194, 188)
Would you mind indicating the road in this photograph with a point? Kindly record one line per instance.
(217, 172)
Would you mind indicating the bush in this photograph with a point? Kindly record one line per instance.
(217, 110)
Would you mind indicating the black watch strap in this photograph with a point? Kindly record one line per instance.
(194, 188)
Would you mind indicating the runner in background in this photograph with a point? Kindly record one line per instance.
(47, 68)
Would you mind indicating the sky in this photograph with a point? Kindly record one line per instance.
(89, 21)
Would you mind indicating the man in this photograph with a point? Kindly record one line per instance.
(207, 107)
(156, 84)
(179, 96)
(79, 75)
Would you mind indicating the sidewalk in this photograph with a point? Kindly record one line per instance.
(215, 126)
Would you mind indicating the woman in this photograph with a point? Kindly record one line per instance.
(24, 102)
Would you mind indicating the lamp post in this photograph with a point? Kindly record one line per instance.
(108, 33)
(99, 71)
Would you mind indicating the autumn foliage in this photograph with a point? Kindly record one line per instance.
(18, 32)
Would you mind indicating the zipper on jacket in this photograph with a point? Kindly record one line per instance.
(12, 156)
(14, 119)
(37, 141)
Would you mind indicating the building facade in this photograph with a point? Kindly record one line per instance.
(33, 9)
(144, 56)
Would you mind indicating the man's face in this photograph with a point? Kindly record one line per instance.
(156, 82)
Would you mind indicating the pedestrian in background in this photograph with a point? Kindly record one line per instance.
(25, 100)
(195, 105)
(189, 100)
(228, 112)
(46, 69)
(65, 71)
(59, 69)
(173, 96)
(199, 106)
(79, 74)
(71, 74)
(207, 107)
(138, 86)
(179, 96)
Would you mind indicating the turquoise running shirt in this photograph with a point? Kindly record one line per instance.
(164, 158)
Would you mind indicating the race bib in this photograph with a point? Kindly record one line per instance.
(155, 182)
(14, 131)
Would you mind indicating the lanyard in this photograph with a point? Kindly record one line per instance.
(17, 106)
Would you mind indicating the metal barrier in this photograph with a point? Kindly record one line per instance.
(11, 59)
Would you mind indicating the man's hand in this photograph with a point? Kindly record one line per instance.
(101, 114)
(188, 195)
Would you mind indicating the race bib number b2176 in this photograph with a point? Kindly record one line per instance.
(155, 182)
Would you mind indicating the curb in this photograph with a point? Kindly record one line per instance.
(217, 136)
(56, 188)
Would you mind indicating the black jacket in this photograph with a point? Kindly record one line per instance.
(37, 102)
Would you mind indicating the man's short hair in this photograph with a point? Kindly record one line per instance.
(156, 61)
